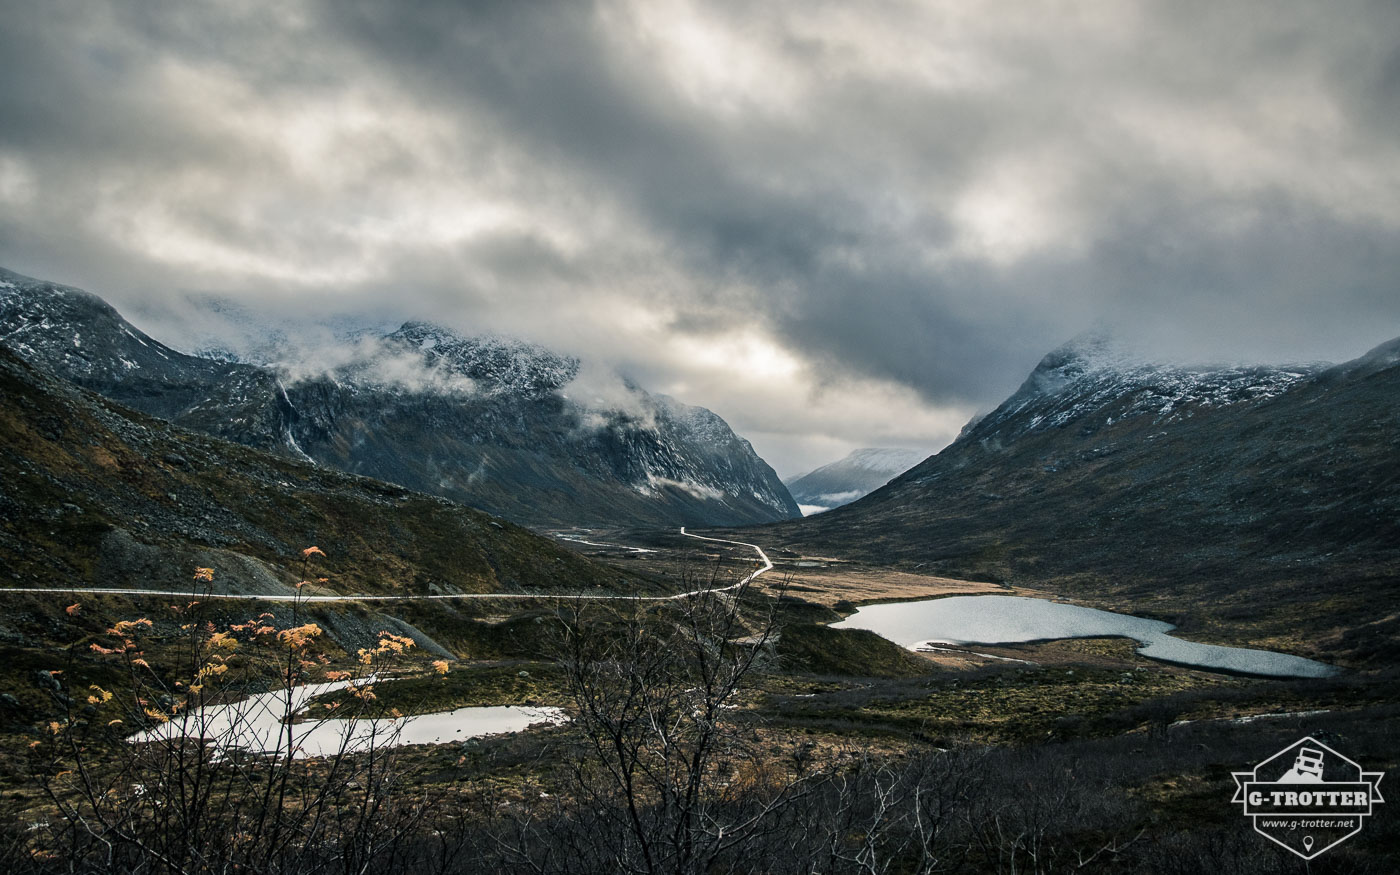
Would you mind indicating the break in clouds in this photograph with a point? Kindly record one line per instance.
(835, 224)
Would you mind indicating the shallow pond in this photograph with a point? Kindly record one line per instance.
(995, 619)
(257, 723)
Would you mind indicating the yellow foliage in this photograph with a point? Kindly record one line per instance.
(299, 636)
(126, 627)
(223, 641)
(395, 643)
(207, 671)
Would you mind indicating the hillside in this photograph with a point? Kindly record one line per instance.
(1208, 496)
(94, 494)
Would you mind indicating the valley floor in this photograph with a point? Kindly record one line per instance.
(1081, 752)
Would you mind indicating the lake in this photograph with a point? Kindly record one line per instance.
(995, 619)
(256, 724)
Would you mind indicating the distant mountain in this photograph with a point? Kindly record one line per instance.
(1231, 497)
(488, 422)
(843, 481)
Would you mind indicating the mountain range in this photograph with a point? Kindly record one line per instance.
(1214, 497)
(859, 473)
(489, 422)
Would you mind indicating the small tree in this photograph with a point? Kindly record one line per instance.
(665, 780)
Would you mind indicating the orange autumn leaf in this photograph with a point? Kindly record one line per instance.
(312, 551)
(73, 609)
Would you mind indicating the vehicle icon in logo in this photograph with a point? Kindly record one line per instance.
(1307, 769)
(1307, 797)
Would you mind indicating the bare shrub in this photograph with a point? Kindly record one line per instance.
(200, 792)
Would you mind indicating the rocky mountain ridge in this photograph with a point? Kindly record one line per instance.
(485, 421)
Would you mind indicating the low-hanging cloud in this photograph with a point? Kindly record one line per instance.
(834, 225)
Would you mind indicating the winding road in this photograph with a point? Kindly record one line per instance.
(319, 599)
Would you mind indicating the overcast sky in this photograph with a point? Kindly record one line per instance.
(835, 224)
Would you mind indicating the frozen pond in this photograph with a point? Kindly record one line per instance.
(257, 724)
(995, 619)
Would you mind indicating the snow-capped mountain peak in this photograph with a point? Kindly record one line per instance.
(1096, 374)
(497, 364)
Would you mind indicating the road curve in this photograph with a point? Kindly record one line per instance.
(321, 599)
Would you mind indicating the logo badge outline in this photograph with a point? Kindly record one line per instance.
(1308, 800)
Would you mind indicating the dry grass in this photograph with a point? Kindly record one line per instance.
(843, 582)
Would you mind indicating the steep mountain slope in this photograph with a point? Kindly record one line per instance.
(94, 494)
(843, 481)
(1236, 495)
(79, 337)
(486, 422)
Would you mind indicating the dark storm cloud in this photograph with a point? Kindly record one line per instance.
(771, 202)
(919, 196)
